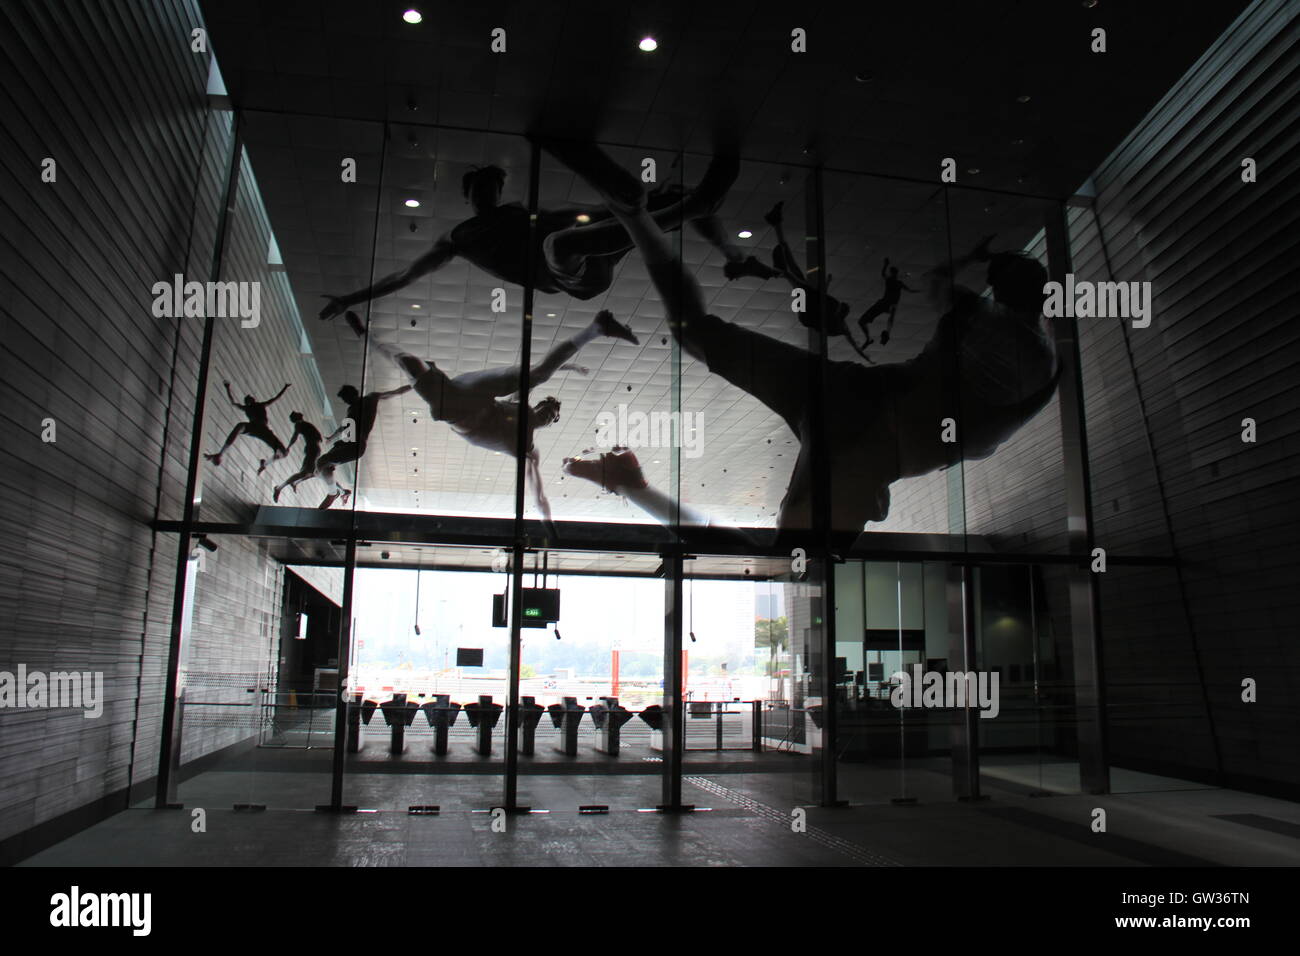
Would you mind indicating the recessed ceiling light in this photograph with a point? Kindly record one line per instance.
(583, 217)
(1023, 98)
(648, 44)
(412, 16)
(415, 305)
(550, 315)
(744, 234)
(412, 203)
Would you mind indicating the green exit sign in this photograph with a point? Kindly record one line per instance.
(532, 612)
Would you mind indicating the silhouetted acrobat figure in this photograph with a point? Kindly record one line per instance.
(472, 403)
(311, 444)
(783, 258)
(578, 246)
(887, 304)
(362, 412)
(256, 426)
(991, 366)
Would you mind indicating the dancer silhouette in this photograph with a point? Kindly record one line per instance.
(256, 426)
(991, 366)
(578, 247)
(478, 405)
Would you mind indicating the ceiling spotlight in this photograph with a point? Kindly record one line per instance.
(973, 171)
(648, 44)
(415, 305)
(412, 16)
(866, 76)
(744, 234)
(550, 315)
(692, 637)
(385, 555)
(1023, 98)
(583, 217)
(412, 203)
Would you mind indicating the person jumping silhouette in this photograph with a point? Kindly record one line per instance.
(887, 304)
(311, 442)
(577, 246)
(786, 265)
(360, 419)
(256, 426)
(991, 366)
(478, 405)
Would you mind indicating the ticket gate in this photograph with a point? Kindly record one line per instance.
(398, 714)
(483, 716)
(566, 717)
(530, 714)
(654, 719)
(441, 714)
(356, 736)
(609, 717)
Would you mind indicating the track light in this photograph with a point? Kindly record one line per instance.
(557, 633)
(692, 637)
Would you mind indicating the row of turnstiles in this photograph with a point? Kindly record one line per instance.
(441, 712)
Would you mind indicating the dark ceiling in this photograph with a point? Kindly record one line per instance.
(882, 88)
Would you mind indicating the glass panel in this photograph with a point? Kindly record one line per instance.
(601, 346)
(887, 258)
(274, 369)
(746, 379)
(891, 618)
(754, 707)
(1014, 474)
(218, 142)
(445, 310)
(429, 678)
(1024, 635)
(592, 684)
(258, 677)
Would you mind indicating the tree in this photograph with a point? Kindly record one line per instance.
(774, 634)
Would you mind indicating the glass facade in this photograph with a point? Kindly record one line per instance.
(786, 444)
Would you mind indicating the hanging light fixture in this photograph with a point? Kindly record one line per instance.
(417, 601)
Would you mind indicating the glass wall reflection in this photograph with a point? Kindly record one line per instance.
(672, 359)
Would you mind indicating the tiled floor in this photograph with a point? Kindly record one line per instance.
(744, 819)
